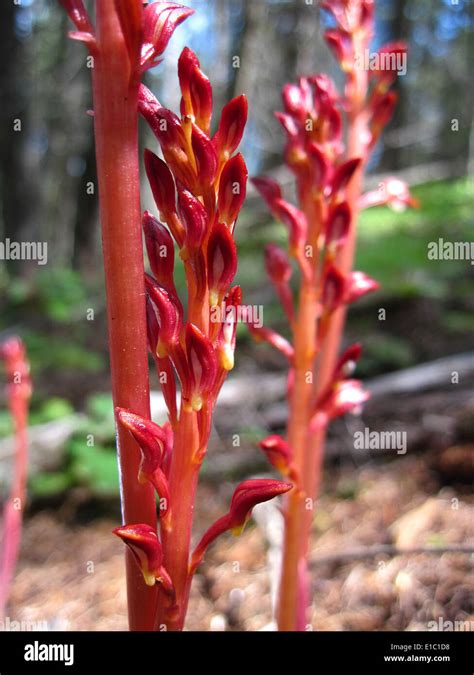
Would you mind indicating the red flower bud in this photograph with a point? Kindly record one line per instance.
(160, 250)
(383, 110)
(277, 264)
(340, 43)
(130, 16)
(247, 495)
(221, 262)
(231, 126)
(168, 129)
(269, 189)
(278, 452)
(338, 224)
(295, 101)
(295, 221)
(169, 314)
(232, 189)
(389, 58)
(345, 396)
(151, 439)
(195, 219)
(160, 20)
(225, 343)
(78, 14)
(163, 365)
(334, 287)
(343, 174)
(202, 365)
(264, 334)
(391, 191)
(161, 183)
(143, 542)
(206, 159)
(347, 362)
(357, 285)
(319, 164)
(196, 90)
(288, 123)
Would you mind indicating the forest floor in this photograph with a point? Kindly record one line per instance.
(70, 573)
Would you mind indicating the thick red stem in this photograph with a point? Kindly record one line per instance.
(115, 121)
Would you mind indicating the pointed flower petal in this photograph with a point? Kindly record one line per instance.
(160, 20)
(143, 542)
(247, 495)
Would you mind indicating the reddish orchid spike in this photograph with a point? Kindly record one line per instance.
(221, 262)
(196, 90)
(231, 127)
(247, 495)
(18, 392)
(232, 189)
(146, 548)
(160, 19)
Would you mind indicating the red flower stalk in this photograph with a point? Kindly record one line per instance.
(126, 39)
(322, 229)
(18, 391)
(199, 189)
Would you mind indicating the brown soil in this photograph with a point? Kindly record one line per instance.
(72, 576)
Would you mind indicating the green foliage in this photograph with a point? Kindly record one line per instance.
(94, 467)
(393, 246)
(52, 409)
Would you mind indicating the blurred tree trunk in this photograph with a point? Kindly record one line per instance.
(397, 157)
(18, 160)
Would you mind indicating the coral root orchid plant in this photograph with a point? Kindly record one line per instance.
(199, 187)
(18, 392)
(329, 139)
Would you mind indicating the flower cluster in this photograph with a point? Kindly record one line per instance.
(199, 187)
(327, 178)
